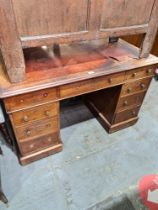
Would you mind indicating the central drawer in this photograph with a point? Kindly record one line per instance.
(37, 113)
(76, 88)
(110, 80)
(90, 85)
(37, 128)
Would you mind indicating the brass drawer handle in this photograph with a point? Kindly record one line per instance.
(25, 118)
(134, 74)
(129, 90)
(142, 86)
(47, 113)
(149, 71)
(45, 95)
(125, 103)
(28, 132)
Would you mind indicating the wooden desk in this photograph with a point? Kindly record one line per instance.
(114, 78)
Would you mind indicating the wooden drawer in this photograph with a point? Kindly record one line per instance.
(90, 85)
(128, 101)
(136, 86)
(38, 144)
(107, 81)
(76, 88)
(37, 113)
(30, 99)
(126, 115)
(37, 128)
(140, 73)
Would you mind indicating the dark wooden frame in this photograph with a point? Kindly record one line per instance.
(12, 42)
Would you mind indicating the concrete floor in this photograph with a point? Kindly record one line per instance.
(92, 167)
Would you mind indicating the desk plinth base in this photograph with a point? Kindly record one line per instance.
(41, 154)
(105, 123)
(116, 127)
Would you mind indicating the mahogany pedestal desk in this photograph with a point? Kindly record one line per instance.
(112, 78)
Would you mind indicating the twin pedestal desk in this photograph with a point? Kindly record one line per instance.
(111, 78)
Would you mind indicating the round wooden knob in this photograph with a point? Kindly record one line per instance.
(129, 90)
(125, 103)
(49, 139)
(142, 86)
(47, 113)
(25, 118)
(149, 71)
(45, 94)
(32, 146)
(133, 113)
(134, 74)
(28, 132)
(21, 100)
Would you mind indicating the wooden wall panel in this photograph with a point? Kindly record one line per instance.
(32, 23)
(50, 16)
(119, 13)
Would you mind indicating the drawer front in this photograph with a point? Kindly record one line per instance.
(128, 101)
(30, 99)
(91, 85)
(107, 81)
(126, 115)
(37, 128)
(76, 88)
(38, 144)
(37, 113)
(140, 73)
(136, 86)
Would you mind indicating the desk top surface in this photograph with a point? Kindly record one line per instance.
(76, 62)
